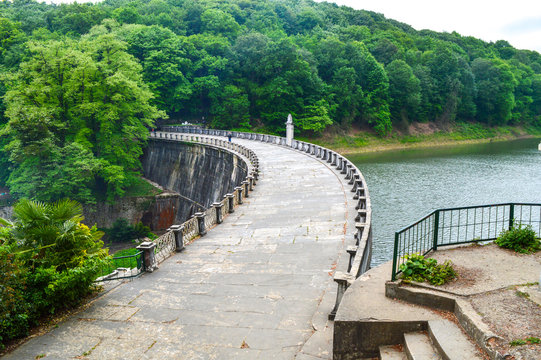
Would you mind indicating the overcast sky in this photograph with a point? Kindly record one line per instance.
(517, 21)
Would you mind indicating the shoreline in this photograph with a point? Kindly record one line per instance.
(398, 145)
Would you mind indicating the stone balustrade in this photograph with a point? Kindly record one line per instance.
(178, 236)
(360, 252)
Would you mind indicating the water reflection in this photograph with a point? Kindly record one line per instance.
(406, 185)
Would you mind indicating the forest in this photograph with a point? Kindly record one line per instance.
(81, 84)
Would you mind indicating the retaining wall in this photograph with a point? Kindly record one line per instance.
(200, 174)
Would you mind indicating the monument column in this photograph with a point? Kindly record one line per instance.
(289, 130)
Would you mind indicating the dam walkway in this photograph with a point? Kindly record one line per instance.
(258, 286)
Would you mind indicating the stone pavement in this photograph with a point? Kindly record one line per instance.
(258, 286)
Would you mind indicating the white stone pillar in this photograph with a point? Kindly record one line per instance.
(289, 130)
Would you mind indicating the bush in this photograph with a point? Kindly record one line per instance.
(421, 269)
(14, 321)
(519, 238)
(122, 231)
(48, 261)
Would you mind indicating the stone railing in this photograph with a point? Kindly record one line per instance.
(177, 236)
(360, 249)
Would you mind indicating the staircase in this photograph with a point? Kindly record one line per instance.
(444, 340)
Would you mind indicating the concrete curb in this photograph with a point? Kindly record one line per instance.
(469, 319)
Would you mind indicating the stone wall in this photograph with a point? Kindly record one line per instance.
(6, 212)
(200, 174)
(158, 212)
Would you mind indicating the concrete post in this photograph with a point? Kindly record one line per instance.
(349, 175)
(251, 180)
(353, 176)
(358, 184)
(201, 223)
(344, 167)
(239, 194)
(246, 185)
(230, 203)
(340, 162)
(359, 193)
(289, 130)
(342, 287)
(218, 206)
(149, 260)
(179, 240)
(361, 204)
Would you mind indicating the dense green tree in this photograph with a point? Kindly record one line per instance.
(404, 91)
(89, 92)
(496, 84)
(217, 22)
(231, 109)
(70, 84)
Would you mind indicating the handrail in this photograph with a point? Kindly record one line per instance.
(111, 270)
(178, 235)
(361, 252)
(461, 225)
(202, 221)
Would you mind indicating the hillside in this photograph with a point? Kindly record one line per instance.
(93, 77)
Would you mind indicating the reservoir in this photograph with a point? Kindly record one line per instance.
(406, 185)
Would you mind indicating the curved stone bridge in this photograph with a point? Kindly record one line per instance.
(259, 286)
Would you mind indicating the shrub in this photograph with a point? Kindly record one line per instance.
(13, 307)
(421, 269)
(48, 261)
(122, 231)
(519, 238)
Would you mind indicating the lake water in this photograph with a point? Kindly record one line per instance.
(406, 185)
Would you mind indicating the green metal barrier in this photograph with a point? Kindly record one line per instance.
(455, 226)
(131, 265)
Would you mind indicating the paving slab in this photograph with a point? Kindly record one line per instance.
(259, 286)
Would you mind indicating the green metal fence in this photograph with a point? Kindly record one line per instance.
(122, 267)
(455, 226)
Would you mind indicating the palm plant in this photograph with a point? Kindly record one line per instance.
(53, 235)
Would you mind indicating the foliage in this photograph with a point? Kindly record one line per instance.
(418, 268)
(14, 319)
(91, 78)
(122, 231)
(522, 239)
(48, 261)
(528, 341)
(78, 114)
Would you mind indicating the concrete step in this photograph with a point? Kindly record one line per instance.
(451, 342)
(392, 352)
(419, 347)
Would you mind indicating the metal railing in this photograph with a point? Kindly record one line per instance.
(455, 226)
(122, 267)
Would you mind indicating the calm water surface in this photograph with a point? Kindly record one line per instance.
(406, 185)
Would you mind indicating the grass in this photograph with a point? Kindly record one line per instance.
(140, 187)
(527, 341)
(130, 262)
